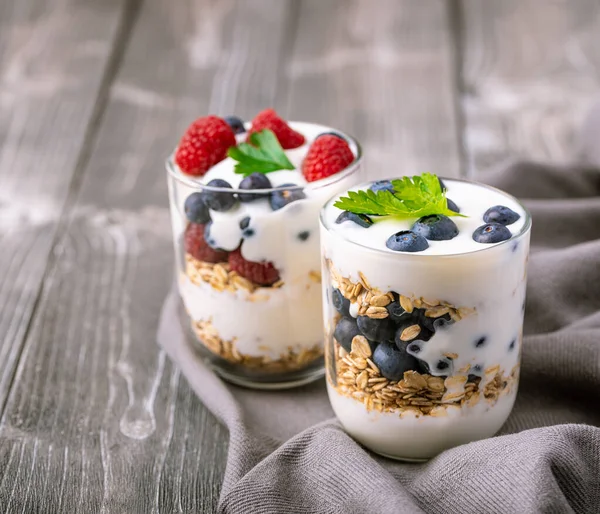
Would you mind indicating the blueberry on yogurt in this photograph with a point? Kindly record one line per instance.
(407, 241)
(219, 200)
(282, 196)
(382, 185)
(392, 361)
(360, 219)
(435, 227)
(500, 214)
(236, 124)
(396, 313)
(195, 209)
(452, 206)
(491, 233)
(254, 181)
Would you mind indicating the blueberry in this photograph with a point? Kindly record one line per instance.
(282, 197)
(219, 200)
(413, 348)
(244, 222)
(249, 232)
(443, 365)
(407, 241)
(392, 361)
(451, 205)
(341, 304)
(435, 227)
(382, 185)
(254, 181)
(512, 344)
(432, 324)
(397, 314)
(500, 214)
(376, 329)
(345, 330)
(491, 233)
(360, 219)
(304, 235)
(236, 124)
(195, 209)
(480, 342)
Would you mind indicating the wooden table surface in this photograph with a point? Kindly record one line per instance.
(95, 93)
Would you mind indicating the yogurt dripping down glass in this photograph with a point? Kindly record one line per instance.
(423, 348)
(263, 336)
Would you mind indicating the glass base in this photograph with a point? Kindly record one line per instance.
(289, 382)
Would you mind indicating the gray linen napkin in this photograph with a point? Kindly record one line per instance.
(288, 454)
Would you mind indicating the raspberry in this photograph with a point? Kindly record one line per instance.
(198, 248)
(204, 144)
(326, 156)
(261, 273)
(269, 119)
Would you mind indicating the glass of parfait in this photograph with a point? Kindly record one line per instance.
(245, 201)
(424, 289)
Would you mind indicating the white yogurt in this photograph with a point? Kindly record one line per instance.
(288, 317)
(489, 278)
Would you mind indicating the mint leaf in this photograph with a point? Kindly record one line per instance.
(263, 154)
(413, 197)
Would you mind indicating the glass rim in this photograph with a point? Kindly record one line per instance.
(524, 230)
(193, 182)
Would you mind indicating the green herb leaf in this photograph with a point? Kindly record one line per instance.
(263, 154)
(413, 197)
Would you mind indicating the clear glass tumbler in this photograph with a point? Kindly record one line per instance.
(265, 333)
(423, 349)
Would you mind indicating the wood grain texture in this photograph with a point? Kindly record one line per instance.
(98, 420)
(385, 75)
(530, 71)
(54, 56)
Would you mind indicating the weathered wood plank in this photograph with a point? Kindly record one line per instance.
(54, 58)
(98, 418)
(530, 71)
(384, 74)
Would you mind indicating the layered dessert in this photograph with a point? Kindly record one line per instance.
(245, 199)
(424, 288)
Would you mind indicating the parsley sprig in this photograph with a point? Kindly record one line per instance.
(263, 154)
(413, 197)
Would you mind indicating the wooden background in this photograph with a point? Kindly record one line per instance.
(95, 93)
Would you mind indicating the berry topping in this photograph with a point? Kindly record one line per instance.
(397, 314)
(500, 214)
(392, 361)
(198, 248)
(382, 185)
(219, 200)
(204, 144)
(360, 219)
(269, 119)
(261, 273)
(452, 206)
(254, 181)
(326, 156)
(491, 233)
(345, 330)
(282, 196)
(407, 241)
(304, 235)
(376, 329)
(341, 303)
(435, 227)
(195, 209)
(236, 124)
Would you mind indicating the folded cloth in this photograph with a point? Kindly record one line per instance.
(288, 454)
